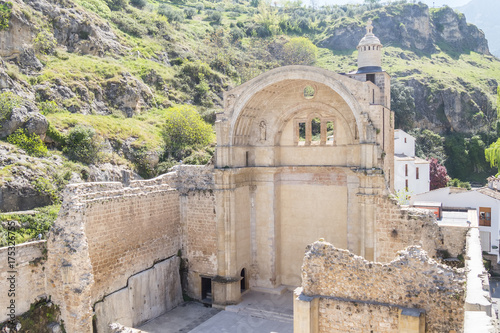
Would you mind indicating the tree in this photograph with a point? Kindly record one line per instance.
(299, 51)
(403, 105)
(438, 174)
(428, 144)
(492, 155)
(183, 128)
(83, 145)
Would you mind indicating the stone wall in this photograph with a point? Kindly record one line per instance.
(129, 233)
(153, 291)
(411, 281)
(107, 232)
(355, 317)
(200, 243)
(454, 239)
(398, 228)
(29, 277)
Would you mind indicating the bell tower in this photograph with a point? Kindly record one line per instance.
(369, 52)
(370, 67)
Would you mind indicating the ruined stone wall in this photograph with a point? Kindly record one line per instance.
(398, 228)
(355, 317)
(107, 232)
(29, 277)
(129, 233)
(141, 299)
(411, 281)
(199, 222)
(454, 239)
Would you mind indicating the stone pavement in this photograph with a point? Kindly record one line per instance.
(257, 313)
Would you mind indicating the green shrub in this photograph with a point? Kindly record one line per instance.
(5, 12)
(33, 225)
(83, 145)
(185, 128)
(172, 15)
(299, 51)
(45, 186)
(55, 135)
(455, 182)
(44, 42)
(199, 157)
(31, 143)
(199, 7)
(215, 16)
(97, 6)
(8, 101)
(49, 107)
(165, 166)
(128, 25)
(116, 4)
(138, 3)
(189, 12)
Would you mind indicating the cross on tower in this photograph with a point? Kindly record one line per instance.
(369, 27)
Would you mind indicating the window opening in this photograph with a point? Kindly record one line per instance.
(406, 170)
(485, 216)
(316, 130)
(309, 92)
(302, 133)
(406, 184)
(370, 77)
(246, 158)
(330, 133)
(418, 176)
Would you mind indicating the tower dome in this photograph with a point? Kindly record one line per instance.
(369, 52)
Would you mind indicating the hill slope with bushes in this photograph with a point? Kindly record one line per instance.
(115, 80)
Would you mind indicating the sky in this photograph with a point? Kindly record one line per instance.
(430, 3)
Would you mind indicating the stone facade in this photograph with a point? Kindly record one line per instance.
(272, 173)
(344, 281)
(30, 282)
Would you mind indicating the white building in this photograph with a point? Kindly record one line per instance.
(485, 200)
(411, 172)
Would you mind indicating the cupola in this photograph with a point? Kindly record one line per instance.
(369, 52)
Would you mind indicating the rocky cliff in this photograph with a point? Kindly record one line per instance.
(436, 53)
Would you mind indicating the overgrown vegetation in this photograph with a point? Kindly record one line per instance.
(31, 143)
(8, 101)
(28, 227)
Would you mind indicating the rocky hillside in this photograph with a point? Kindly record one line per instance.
(484, 13)
(105, 74)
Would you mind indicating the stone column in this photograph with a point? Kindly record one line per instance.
(226, 287)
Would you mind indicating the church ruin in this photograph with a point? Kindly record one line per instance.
(302, 154)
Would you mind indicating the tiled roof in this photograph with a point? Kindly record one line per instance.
(489, 192)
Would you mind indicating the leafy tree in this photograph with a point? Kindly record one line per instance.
(403, 105)
(189, 12)
(116, 4)
(438, 175)
(83, 145)
(428, 144)
(138, 3)
(299, 51)
(492, 155)
(183, 128)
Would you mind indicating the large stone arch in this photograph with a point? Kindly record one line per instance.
(241, 96)
(276, 194)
